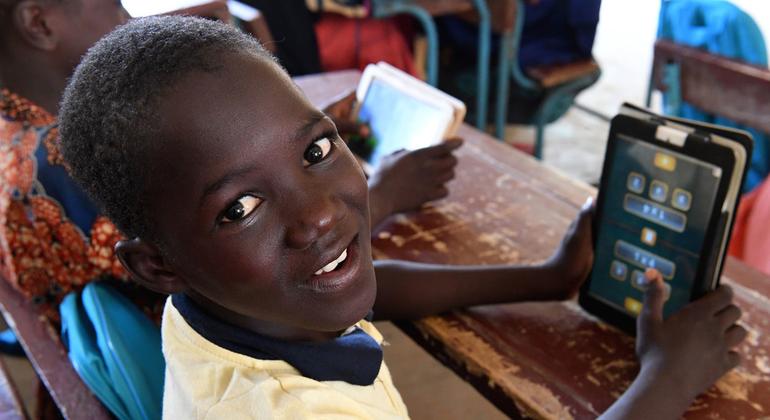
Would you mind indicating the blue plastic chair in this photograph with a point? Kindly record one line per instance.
(116, 350)
(386, 8)
(556, 100)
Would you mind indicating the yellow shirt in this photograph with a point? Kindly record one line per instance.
(206, 381)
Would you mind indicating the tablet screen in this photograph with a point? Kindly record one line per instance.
(656, 210)
(399, 121)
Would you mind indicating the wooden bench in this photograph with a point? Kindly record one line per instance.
(715, 84)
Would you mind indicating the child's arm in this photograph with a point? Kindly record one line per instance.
(681, 356)
(408, 290)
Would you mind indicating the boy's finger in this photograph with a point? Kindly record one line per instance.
(583, 219)
(654, 298)
(443, 148)
(735, 335)
(732, 360)
(439, 193)
(586, 213)
(442, 164)
(444, 177)
(728, 316)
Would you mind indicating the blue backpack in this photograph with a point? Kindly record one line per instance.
(720, 28)
(116, 350)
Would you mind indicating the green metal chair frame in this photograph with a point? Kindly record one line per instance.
(554, 99)
(387, 8)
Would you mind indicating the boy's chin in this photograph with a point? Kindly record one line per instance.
(350, 312)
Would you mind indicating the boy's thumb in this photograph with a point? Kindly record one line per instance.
(654, 298)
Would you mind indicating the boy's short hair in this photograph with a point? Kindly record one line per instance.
(108, 115)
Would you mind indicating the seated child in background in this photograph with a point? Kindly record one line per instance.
(240, 200)
(53, 239)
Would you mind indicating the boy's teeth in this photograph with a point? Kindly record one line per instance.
(332, 265)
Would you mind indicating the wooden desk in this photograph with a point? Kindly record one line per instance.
(547, 360)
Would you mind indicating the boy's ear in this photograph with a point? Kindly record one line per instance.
(148, 267)
(31, 18)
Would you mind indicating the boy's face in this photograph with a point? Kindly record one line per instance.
(253, 193)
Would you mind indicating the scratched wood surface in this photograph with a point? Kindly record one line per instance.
(545, 360)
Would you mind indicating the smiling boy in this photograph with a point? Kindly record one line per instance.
(242, 203)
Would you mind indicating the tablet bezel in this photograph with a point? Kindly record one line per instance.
(415, 83)
(697, 146)
(375, 72)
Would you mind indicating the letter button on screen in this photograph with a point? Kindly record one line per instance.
(658, 191)
(633, 305)
(681, 199)
(649, 236)
(618, 270)
(638, 280)
(635, 182)
(643, 259)
(665, 162)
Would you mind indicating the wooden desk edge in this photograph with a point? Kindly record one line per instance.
(439, 351)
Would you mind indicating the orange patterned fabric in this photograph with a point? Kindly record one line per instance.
(43, 254)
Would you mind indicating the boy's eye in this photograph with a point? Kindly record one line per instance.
(241, 208)
(317, 151)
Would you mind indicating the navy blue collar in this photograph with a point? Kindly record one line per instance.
(354, 358)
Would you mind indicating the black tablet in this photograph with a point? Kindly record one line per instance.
(667, 200)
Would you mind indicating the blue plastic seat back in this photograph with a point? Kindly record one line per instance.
(116, 350)
(720, 28)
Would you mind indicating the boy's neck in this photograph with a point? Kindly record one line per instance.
(262, 327)
(35, 79)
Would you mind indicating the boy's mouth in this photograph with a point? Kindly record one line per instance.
(338, 273)
(334, 264)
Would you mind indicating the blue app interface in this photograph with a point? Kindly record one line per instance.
(656, 211)
(398, 121)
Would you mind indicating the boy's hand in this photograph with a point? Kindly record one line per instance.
(572, 262)
(407, 180)
(341, 113)
(693, 348)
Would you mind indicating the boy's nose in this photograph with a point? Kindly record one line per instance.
(312, 219)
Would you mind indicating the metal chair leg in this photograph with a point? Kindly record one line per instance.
(503, 84)
(552, 107)
(482, 71)
(385, 9)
